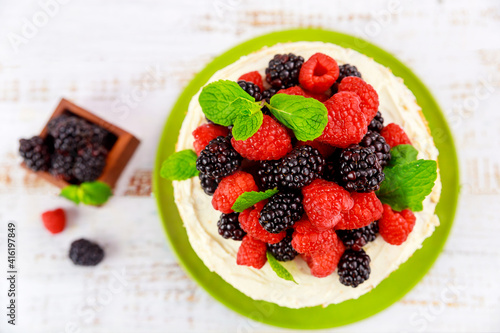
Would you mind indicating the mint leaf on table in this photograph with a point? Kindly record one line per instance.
(89, 193)
(70, 192)
(247, 125)
(278, 268)
(402, 154)
(248, 199)
(307, 117)
(180, 165)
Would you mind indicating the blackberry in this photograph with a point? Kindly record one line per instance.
(70, 133)
(89, 163)
(252, 89)
(357, 238)
(267, 94)
(283, 251)
(296, 170)
(218, 159)
(345, 71)
(382, 148)
(377, 123)
(359, 169)
(85, 253)
(209, 185)
(281, 212)
(283, 70)
(61, 166)
(229, 227)
(35, 153)
(354, 268)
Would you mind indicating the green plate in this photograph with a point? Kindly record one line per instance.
(391, 289)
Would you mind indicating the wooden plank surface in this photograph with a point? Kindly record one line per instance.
(128, 60)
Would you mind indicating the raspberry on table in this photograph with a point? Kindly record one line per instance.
(271, 142)
(54, 220)
(345, 71)
(229, 227)
(230, 188)
(324, 202)
(283, 70)
(205, 133)
(85, 253)
(35, 153)
(367, 94)
(394, 227)
(298, 91)
(307, 239)
(366, 209)
(283, 250)
(252, 252)
(394, 135)
(208, 184)
(218, 159)
(382, 148)
(253, 77)
(89, 163)
(323, 264)
(319, 73)
(357, 238)
(346, 123)
(249, 222)
(377, 123)
(354, 268)
(251, 89)
(281, 212)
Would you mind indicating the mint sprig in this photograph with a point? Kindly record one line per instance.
(278, 268)
(248, 199)
(89, 193)
(180, 166)
(402, 154)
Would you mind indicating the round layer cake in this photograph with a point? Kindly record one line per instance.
(397, 104)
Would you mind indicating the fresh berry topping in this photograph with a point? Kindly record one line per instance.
(70, 133)
(283, 250)
(325, 149)
(252, 252)
(298, 169)
(35, 153)
(206, 133)
(281, 212)
(354, 268)
(249, 221)
(85, 253)
(229, 227)
(394, 227)
(347, 70)
(394, 135)
(253, 77)
(298, 91)
(359, 169)
(267, 94)
(251, 89)
(271, 142)
(319, 73)
(218, 159)
(366, 93)
(323, 264)
(382, 149)
(209, 185)
(230, 188)
(89, 163)
(367, 208)
(307, 239)
(346, 123)
(61, 166)
(54, 220)
(283, 71)
(324, 202)
(377, 123)
(357, 238)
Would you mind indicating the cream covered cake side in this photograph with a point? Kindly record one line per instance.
(397, 105)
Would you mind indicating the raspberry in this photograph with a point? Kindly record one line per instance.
(251, 89)
(394, 135)
(89, 163)
(230, 188)
(377, 123)
(283, 250)
(253, 77)
(307, 239)
(252, 252)
(346, 123)
(35, 153)
(345, 71)
(209, 185)
(394, 227)
(61, 166)
(249, 221)
(298, 91)
(319, 73)
(324, 202)
(229, 227)
(382, 149)
(325, 149)
(218, 159)
(354, 268)
(367, 208)
(283, 70)
(271, 142)
(366, 93)
(323, 264)
(85, 253)
(357, 238)
(54, 220)
(281, 212)
(205, 133)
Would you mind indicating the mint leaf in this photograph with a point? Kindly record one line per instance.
(247, 125)
(278, 268)
(180, 166)
(407, 185)
(248, 199)
(94, 193)
(223, 100)
(70, 192)
(307, 117)
(402, 154)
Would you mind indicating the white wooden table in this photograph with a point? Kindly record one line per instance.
(128, 61)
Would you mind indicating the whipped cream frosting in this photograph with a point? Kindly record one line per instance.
(397, 104)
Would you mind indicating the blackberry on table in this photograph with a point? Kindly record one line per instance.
(209, 185)
(89, 163)
(357, 238)
(252, 89)
(219, 159)
(61, 166)
(85, 253)
(354, 268)
(382, 148)
(35, 153)
(283, 250)
(70, 133)
(283, 70)
(377, 123)
(229, 227)
(281, 212)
